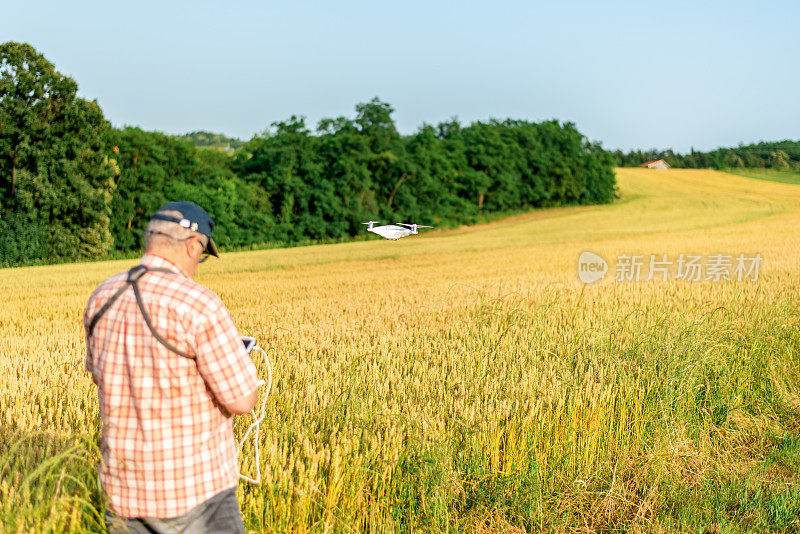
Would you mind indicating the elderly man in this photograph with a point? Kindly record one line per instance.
(171, 370)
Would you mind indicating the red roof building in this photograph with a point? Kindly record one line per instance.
(656, 164)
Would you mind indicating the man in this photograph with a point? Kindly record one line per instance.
(171, 370)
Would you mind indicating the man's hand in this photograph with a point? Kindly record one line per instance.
(244, 404)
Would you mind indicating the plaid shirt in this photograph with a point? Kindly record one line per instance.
(167, 445)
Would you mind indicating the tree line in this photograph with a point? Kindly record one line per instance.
(778, 155)
(73, 187)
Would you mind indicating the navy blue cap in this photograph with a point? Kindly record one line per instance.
(192, 217)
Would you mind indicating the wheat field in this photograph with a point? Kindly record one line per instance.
(466, 381)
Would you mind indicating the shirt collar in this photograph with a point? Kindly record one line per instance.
(152, 260)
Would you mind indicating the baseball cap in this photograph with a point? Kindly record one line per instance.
(192, 217)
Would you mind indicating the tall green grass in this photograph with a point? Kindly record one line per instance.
(772, 175)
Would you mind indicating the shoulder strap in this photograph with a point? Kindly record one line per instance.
(133, 278)
(152, 328)
(105, 308)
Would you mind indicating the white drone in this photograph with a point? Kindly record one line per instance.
(394, 231)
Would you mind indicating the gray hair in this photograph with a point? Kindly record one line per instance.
(168, 234)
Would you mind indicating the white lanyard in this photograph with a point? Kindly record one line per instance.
(251, 346)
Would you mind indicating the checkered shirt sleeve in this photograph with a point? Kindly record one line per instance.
(221, 359)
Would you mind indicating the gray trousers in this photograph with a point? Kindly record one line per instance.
(220, 513)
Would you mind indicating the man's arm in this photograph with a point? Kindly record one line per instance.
(223, 363)
(244, 404)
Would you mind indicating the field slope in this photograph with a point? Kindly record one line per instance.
(465, 380)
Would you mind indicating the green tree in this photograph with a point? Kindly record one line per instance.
(55, 181)
(71, 186)
(155, 168)
(147, 162)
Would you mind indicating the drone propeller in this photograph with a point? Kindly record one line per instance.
(371, 222)
(412, 226)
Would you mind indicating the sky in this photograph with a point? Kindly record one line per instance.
(631, 74)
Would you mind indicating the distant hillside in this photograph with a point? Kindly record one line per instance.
(205, 139)
(777, 155)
